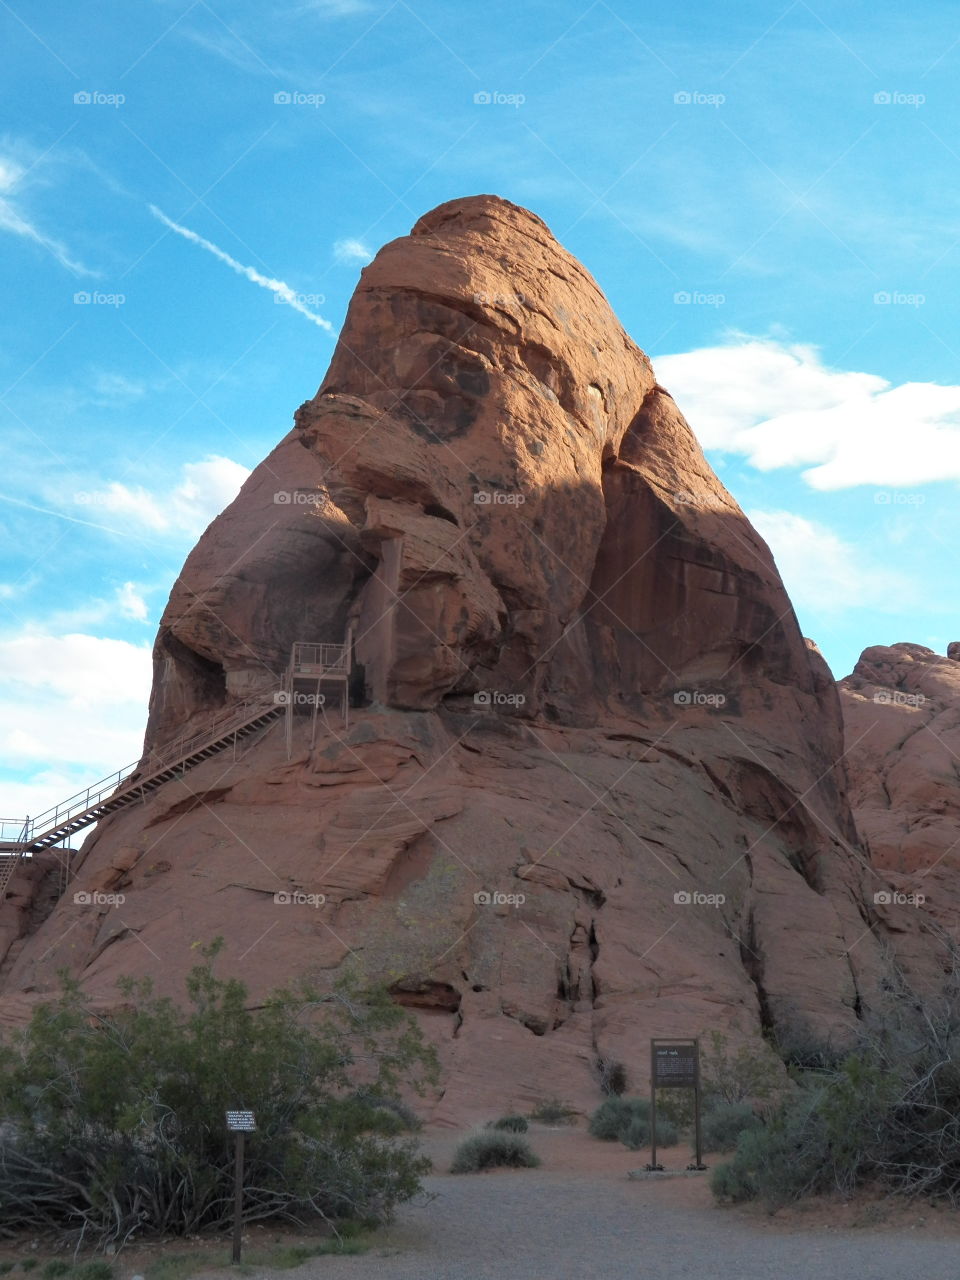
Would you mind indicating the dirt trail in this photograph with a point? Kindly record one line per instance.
(579, 1217)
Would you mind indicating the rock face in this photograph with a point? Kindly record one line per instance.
(901, 706)
(590, 790)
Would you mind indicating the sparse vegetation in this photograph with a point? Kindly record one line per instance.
(114, 1122)
(493, 1149)
(723, 1124)
(627, 1120)
(613, 1077)
(887, 1114)
(512, 1123)
(553, 1111)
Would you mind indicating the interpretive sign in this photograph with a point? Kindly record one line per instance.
(241, 1121)
(674, 1064)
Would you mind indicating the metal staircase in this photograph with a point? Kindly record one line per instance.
(133, 782)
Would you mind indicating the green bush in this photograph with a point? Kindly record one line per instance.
(614, 1115)
(54, 1268)
(515, 1124)
(553, 1111)
(28, 1264)
(840, 1130)
(754, 1073)
(115, 1121)
(405, 1119)
(493, 1149)
(723, 1124)
(96, 1270)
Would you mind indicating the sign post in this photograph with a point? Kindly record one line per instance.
(675, 1064)
(239, 1123)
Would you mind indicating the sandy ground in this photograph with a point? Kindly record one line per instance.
(579, 1216)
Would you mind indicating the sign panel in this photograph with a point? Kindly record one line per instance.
(241, 1121)
(675, 1065)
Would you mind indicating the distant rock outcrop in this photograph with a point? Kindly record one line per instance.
(902, 711)
(592, 789)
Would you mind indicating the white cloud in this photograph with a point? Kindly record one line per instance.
(132, 603)
(16, 221)
(72, 710)
(824, 574)
(205, 488)
(780, 406)
(352, 251)
(282, 291)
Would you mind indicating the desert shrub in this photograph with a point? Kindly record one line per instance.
(638, 1131)
(96, 1269)
(613, 1077)
(114, 1122)
(753, 1073)
(512, 1123)
(553, 1111)
(723, 1124)
(405, 1118)
(493, 1149)
(54, 1268)
(867, 1122)
(613, 1117)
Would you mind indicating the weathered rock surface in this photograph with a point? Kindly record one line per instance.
(901, 706)
(590, 792)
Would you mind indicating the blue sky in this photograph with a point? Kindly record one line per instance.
(768, 196)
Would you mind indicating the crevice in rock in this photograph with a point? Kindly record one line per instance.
(752, 963)
(426, 995)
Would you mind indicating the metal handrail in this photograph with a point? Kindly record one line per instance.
(234, 717)
(329, 657)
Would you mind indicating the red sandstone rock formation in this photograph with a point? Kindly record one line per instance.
(901, 706)
(492, 490)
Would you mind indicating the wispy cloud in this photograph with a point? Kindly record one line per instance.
(351, 251)
(282, 291)
(16, 221)
(826, 575)
(131, 602)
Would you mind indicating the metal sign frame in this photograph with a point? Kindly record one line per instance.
(665, 1049)
(240, 1122)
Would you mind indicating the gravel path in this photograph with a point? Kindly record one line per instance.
(558, 1223)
